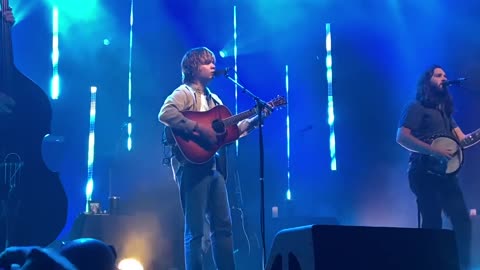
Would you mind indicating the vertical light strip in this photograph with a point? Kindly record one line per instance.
(55, 82)
(129, 127)
(289, 193)
(331, 115)
(91, 145)
(235, 64)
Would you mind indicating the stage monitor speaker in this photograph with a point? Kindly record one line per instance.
(331, 247)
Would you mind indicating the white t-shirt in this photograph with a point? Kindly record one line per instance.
(204, 103)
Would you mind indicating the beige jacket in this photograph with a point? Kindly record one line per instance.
(184, 98)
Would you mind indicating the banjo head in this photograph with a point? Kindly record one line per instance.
(453, 147)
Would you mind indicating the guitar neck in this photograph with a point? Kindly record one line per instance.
(233, 120)
(471, 139)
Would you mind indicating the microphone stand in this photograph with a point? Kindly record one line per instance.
(113, 163)
(261, 105)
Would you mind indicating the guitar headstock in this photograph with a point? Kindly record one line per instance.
(277, 102)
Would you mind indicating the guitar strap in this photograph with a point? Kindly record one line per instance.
(210, 96)
(447, 121)
(416, 158)
(215, 101)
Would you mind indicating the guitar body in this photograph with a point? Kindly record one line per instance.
(220, 119)
(197, 152)
(453, 165)
(33, 200)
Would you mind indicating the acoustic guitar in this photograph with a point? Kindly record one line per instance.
(221, 120)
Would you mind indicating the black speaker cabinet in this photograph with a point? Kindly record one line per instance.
(332, 247)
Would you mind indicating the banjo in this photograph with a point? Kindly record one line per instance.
(456, 148)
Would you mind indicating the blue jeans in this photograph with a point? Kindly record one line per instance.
(203, 194)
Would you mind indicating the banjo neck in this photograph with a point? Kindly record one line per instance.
(471, 139)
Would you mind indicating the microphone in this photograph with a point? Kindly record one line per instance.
(221, 72)
(454, 82)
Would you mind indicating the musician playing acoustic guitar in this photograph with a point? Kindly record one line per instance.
(428, 116)
(202, 186)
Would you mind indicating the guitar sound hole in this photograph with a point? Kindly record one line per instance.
(218, 126)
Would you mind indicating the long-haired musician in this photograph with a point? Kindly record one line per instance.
(422, 120)
(202, 186)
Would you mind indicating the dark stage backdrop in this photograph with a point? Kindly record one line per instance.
(379, 51)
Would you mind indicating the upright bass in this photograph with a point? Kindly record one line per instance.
(33, 203)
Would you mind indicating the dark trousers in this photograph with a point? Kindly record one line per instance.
(442, 193)
(203, 194)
